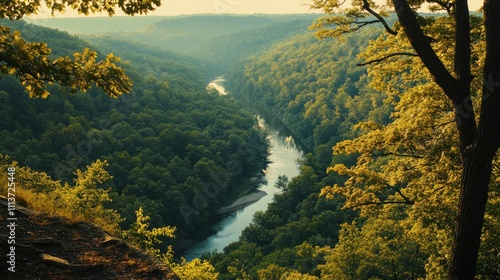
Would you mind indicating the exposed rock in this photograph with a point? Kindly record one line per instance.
(111, 241)
(51, 260)
(19, 209)
(23, 248)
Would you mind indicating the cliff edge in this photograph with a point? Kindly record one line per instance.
(36, 246)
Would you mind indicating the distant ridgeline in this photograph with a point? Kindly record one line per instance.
(216, 40)
(173, 148)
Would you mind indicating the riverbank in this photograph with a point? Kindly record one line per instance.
(241, 203)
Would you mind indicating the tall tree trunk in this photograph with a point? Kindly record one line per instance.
(473, 196)
(479, 156)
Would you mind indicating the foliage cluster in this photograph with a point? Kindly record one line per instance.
(84, 200)
(31, 62)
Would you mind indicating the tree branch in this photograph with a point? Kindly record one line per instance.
(462, 44)
(359, 25)
(406, 199)
(453, 89)
(446, 6)
(394, 154)
(380, 203)
(366, 6)
(386, 57)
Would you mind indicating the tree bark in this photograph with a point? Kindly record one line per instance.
(472, 203)
(478, 159)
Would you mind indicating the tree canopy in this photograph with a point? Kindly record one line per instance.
(32, 63)
(167, 143)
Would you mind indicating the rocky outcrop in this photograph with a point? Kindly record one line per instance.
(55, 248)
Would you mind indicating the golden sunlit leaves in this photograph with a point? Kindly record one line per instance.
(35, 69)
(31, 62)
(347, 16)
(195, 269)
(413, 163)
(80, 202)
(140, 235)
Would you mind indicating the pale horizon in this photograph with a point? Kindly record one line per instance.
(193, 7)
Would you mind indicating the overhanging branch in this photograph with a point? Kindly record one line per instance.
(380, 203)
(366, 6)
(386, 57)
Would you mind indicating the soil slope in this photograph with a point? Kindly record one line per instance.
(55, 248)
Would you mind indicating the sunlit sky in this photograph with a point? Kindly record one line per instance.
(176, 7)
(233, 6)
(180, 7)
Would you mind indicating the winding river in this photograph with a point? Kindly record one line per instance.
(283, 161)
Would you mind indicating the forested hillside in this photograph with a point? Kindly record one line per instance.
(217, 41)
(164, 143)
(314, 89)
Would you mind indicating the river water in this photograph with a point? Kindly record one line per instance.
(283, 161)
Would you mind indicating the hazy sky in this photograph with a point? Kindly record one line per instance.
(182, 7)
(178, 7)
(249, 6)
(233, 6)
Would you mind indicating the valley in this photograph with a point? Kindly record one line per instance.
(261, 146)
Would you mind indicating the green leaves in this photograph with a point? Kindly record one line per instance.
(17, 9)
(31, 62)
(343, 18)
(140, 235)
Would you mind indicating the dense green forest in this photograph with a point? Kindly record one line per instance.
(167, 143)
(316, 91)
(377, 193)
